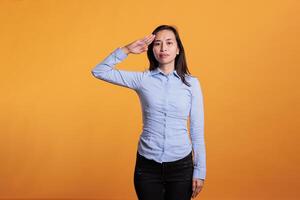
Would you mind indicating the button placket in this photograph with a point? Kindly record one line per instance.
(165, 107)
(167, 100)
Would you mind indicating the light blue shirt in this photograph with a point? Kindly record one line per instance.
(167, 103)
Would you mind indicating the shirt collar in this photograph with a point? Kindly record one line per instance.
(158, 70)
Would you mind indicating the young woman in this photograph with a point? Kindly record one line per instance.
(170, 165)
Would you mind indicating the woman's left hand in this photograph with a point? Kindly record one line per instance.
(197, 186)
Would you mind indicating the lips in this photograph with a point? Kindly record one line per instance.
(163, 55)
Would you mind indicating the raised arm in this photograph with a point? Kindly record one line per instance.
(106, 70)
(197, 131)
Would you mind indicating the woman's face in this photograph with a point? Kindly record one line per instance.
(165, 47)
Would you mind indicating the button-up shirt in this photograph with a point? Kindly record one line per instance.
(167, 103)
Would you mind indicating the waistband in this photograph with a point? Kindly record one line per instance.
(186, 158)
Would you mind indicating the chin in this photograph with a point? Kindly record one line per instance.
(165, 61)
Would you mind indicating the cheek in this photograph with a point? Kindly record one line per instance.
(155, 51)
(174, 50)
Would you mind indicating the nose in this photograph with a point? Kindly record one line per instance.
(162, 47)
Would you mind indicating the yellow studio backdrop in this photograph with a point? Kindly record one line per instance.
(65, 134)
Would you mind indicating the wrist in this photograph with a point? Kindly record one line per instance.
(125, 50)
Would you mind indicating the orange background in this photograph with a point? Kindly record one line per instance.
(65, 134)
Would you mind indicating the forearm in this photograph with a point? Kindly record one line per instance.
(199, 160)
(105, 70)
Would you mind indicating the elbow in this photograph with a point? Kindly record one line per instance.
(98, 74)
(101, 72)
(93, 73)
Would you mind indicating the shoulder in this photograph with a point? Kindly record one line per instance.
(193, 80)
(196, 88)
(145, 73)
(141, 75)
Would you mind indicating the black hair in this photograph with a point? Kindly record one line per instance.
(180, 60)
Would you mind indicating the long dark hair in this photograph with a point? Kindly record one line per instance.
(180, 61)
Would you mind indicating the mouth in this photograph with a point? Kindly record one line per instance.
(163, 55)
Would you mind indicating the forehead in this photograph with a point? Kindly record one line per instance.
(165, 35)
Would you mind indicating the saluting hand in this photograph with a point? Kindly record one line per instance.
(139, 46)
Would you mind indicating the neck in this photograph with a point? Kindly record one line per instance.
(167, 68)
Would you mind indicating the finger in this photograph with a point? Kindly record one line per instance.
(145, 49)
(148, 39)
(198, 189)
(145, 38)
(194, 188)
(150, 36)
(142, 44)
(195, 193)
(194, 185)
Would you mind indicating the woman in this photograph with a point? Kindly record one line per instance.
(170, 165)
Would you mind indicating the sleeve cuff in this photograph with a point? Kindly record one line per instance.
(199, 174)
(120, 54)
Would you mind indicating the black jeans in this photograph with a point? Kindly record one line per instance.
(163, 181)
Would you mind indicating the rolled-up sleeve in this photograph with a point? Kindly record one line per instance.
(106, 71)
(197, 130)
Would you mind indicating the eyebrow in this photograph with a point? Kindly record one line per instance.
(166, 39)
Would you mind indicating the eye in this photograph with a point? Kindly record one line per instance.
(156, 43)
(170, 43)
